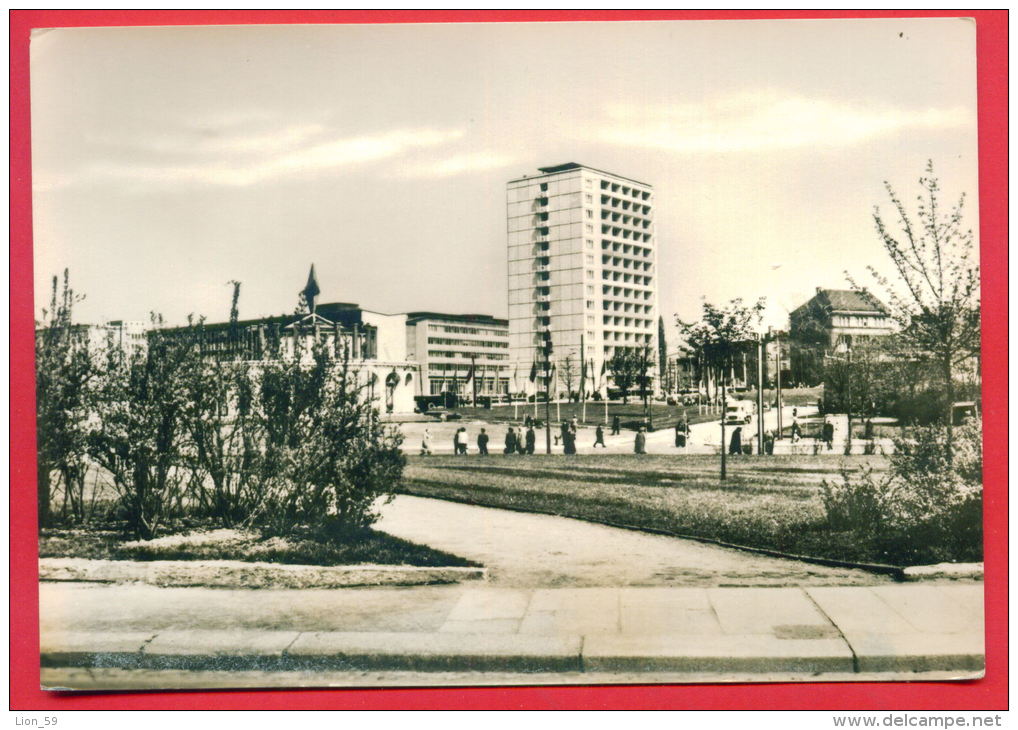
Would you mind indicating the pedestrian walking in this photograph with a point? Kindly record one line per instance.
(510, 442)
(482, 443)
(599, 437)
(456, 441)
(769, 442)
(640, 444)
(531, 439)
(573, 425)
(735, 447)
(796, 429)
(426, 443)
(464, 440)
(616, 425)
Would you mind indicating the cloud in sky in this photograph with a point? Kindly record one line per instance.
(764, 121)
(457, 165)
(239, 160)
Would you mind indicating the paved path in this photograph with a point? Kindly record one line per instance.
(529, 550)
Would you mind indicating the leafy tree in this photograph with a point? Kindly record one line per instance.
(625, 368)
(935, 298)
(64, 374)
(810, 341)
(718, 338)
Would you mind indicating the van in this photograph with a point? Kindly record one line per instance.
(738, 412)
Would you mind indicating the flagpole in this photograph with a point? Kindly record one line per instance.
(473, 379)
(583, 381)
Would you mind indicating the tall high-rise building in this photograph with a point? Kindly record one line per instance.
(582, 265)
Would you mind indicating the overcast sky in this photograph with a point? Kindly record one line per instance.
(169, 161)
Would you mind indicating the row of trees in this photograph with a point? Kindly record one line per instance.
(287, 442)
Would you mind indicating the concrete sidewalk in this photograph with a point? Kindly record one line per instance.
(720, 632)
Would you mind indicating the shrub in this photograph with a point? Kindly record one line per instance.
(927, 508)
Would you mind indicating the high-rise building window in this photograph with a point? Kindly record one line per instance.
(590, 304)
(590, 213)
(590, 243)
(590, 274)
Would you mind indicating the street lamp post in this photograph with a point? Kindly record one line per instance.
(548, 395)
(759, 395)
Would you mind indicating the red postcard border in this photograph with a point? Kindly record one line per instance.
(986, 694)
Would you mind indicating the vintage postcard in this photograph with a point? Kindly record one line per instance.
(508, 353)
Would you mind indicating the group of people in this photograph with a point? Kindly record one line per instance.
(523, 439)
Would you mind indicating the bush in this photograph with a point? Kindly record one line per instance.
(927, 508)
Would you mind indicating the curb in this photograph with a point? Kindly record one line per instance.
(242, 650)
(941, 571)
(239, 574)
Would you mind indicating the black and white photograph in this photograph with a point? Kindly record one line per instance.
(501, 354)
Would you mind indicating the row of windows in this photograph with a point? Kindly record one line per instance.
(468, 343)
(627, 321)
(625, 262)
(619, 291)
(468, 355)
(625, 248)
(624, 204)
(620, 232)
(467, 330)
(629, 307)
(455, 367)
(626, 278)
(635, 193)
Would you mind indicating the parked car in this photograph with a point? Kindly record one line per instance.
(442, 414)
(739, 412)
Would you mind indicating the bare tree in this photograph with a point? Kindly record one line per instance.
(935, 299)
(569, 373)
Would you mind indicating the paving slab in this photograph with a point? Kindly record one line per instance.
(489, 604)
(760, 610)
(685, 653)
(937, 608)
(436, 651)
(572, 611)
(859, 610)
(666, 611)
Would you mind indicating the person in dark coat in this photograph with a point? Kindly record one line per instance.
(510, 441)
(736, 444)
(828, 434)
(599, 437)
(482, 443)
(531, 440)
(640, 444)
(769, 443)
(616, 425)
(681, 432)
(569, 441)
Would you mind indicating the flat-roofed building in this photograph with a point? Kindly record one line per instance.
(448, 347)
(582, 260)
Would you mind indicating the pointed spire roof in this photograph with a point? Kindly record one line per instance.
(311, 290)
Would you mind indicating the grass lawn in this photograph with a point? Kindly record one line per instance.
(773, 503)
(363, 546)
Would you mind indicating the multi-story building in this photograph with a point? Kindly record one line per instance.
(583, 265)
(842, 318)
(448, 346)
